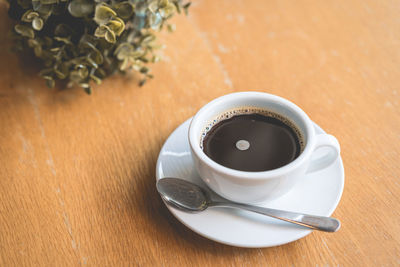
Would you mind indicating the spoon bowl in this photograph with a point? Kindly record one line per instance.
(182, 194)
(190, 197)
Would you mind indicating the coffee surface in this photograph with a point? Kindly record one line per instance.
(252, 142)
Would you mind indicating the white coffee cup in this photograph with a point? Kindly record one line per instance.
(256, 187)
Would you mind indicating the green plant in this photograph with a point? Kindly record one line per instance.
(80, 41)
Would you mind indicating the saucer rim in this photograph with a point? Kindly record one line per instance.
(299, 235)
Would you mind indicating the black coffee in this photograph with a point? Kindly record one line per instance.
(252, 142)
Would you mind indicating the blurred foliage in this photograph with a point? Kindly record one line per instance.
(81, 41)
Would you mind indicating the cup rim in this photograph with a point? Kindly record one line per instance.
(257, 175)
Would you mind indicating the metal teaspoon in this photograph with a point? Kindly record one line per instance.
(190, 197)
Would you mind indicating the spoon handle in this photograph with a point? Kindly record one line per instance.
(326, 224)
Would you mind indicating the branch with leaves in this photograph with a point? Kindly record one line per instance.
(84, 41)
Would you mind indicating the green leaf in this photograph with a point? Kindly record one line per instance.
(74, 76)
(171, 27)
(43, 9)
(46, 73)
(167, 11)
(116, 25)
(37, 50)
(50, 83)
(96, 79)
(148, 38)
(144, 69)
(81, 8)
(126, 50)
(142, 82)
(37, 23)
(101, 31)
(64, 40)
(96, 56)
(124, 9)
(83, 72)
(123, 51)
(61, 71)
(186, 7)
(155, 59)
(153, 6)
(110, 37)
(155, 21)
(87, 89)
(100, 73)
(103, 14)
(33, 43)
(106, 32)
(24, 30)
(163, 3)
(29, 15)
(137, 65)
(178, 7)
(55, 49)
(91, 62)
(125, 64)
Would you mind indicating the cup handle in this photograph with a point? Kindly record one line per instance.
(324, 140)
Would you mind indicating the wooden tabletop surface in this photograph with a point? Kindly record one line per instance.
(77, 175)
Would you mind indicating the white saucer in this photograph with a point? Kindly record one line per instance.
(318, 193)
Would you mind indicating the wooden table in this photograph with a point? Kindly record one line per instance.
(77, 176)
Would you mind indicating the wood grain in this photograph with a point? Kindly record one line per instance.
(78, 172)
